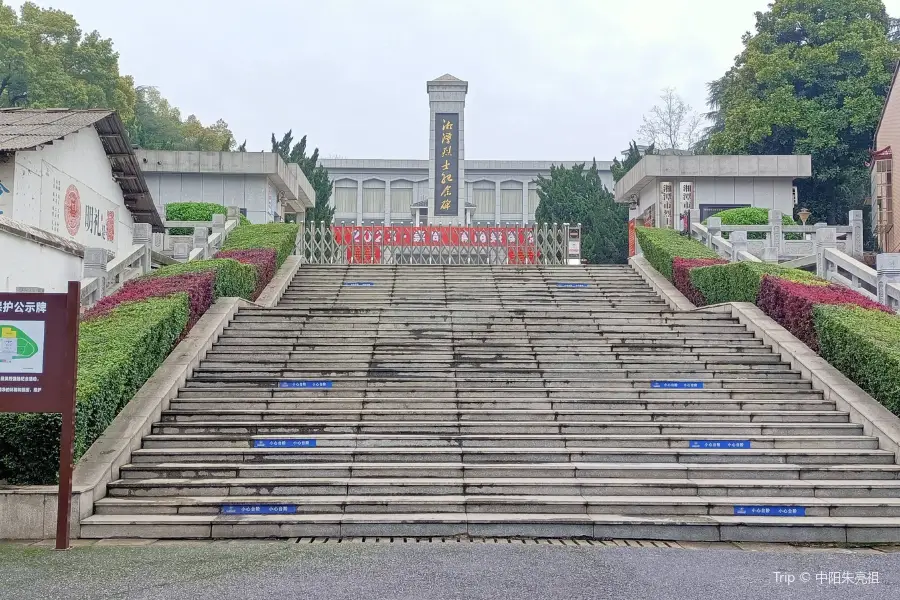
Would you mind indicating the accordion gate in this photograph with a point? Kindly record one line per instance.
(434, 245)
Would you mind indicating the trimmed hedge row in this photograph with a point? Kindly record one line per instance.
(192, 211)
(661, 246)
(199, 287)
(116, 355)
(791, 304)
(280, 236)
(264, 259)
(739, 282)
(860, 337)
(864, 345)
(233, 279)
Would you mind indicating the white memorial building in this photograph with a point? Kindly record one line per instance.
(409, 192)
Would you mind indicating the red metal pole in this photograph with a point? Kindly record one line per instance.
(67, 436)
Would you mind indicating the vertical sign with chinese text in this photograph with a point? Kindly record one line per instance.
(446, 165)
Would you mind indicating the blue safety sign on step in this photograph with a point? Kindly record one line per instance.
(572, 285)
(359, 284)
(721, 444)
(770, 511)
(303, 384)
(284, 443)
(677, 385)
(259, 509)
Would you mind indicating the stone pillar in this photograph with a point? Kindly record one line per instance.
(855, 249)
(95, 266)
(233, 212)
(446, 96)
(359, 202)
(143, 235)
(714, 226)
(776, 236)
(826, 237)
(738, 241)
(181, 251)
(888, 267)
(201, 240)
(387, 202)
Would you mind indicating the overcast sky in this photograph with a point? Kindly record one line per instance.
(562, 80)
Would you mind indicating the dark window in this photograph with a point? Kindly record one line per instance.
(708, 210)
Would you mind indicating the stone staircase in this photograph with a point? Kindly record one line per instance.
(498, 401)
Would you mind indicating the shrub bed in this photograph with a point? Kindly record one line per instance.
(199, 287)
(117, 353)
(751, 216)
(264, 259)
(282, 237)
(681, 276)
(791, 304)
(661, 246)
(739, 282)
(864, 345)
(192, 211)
(233, 279)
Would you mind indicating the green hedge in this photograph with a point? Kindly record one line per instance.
(280, 236)
(233, 279)
(739, 282)
(751, 216)
(117, 353)
(660, 246)
(192, 211)
(864, 345)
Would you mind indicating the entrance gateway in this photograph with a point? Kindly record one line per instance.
(442, 228)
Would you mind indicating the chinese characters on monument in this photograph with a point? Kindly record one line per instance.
(446, 164)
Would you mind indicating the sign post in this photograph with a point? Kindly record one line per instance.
(38, 369)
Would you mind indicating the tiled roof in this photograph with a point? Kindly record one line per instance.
(27, 128)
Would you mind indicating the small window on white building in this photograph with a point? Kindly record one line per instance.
(345, 196)
(484, 197)
(511, 198)
(533, 200)
(373, 196)
(401, 198)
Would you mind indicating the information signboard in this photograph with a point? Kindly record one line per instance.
(38, 359)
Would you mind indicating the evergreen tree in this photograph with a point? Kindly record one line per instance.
(315, 173)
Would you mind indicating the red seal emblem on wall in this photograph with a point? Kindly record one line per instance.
(110, 225)
(72, 210)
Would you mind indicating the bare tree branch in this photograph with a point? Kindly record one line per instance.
(672, 123)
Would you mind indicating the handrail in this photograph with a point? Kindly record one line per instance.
(849, 272)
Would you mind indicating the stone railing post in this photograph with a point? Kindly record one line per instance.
(143, 235)
(888, 268)
(776, 234)
(181, 251)
(855, 239)
(233, 212)
(201, 240)
(738, 241)
(714, 226)
(826, 237)
(218, 226)
(95, 266)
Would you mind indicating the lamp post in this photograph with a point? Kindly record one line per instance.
(804, 215)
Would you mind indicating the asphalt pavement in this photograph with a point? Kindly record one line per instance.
(450, 570)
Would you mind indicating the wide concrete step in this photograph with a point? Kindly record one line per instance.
(214, 439)
(600, 526)
(571, 416)
(621, 505)
(474, 372)
(567, 388)
(755, 486)
(499, 403)
(800, 456)
(551, 470)
(699, 430)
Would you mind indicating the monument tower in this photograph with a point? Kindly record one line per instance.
(446, 150)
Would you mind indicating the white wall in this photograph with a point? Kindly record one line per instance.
(253, 193)
(44, 177)
(36, 265)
